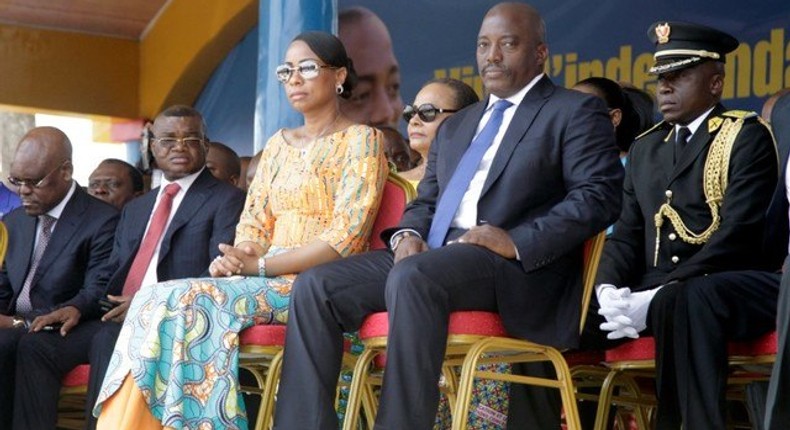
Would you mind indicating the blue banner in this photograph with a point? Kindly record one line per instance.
(280, 21)
(608, 38)
(436, 38)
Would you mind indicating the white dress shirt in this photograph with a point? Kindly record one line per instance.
(787, 193)
(694, 125)
(466, 215)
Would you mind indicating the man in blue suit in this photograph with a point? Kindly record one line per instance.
(54, 273)
(203, 213)
(513, 187)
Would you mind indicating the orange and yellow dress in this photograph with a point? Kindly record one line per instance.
(176, 360)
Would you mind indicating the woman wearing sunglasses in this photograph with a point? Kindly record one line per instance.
(313, 199)
(436, 100)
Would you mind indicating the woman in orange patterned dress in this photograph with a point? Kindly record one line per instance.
(313, 200)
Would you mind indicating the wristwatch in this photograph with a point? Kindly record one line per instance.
(19, 322)
(398, 238)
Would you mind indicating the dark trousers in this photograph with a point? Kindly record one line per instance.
(9, 340)
(101, 348)
(43, 359)
(419, 293)
(692, 323)
(777, 409)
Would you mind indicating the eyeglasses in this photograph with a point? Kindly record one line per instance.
(107, 184)
(308, 69)
(169, 143)
(426, 112)
(34, 183)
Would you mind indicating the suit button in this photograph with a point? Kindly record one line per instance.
(672, 236)
(668, 193)
(675, 259)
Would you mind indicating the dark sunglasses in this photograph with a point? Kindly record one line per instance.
(426, 112)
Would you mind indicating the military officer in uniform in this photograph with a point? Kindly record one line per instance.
(682, 263)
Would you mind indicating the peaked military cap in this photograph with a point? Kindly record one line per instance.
(682, 44)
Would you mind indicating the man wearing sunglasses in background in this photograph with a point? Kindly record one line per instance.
(171, 232)
(53, 276)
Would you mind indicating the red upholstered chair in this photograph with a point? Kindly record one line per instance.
(465, 328)
(474, 338)
(71, 411)
(635, 359)
(261, 346)
(500, 349)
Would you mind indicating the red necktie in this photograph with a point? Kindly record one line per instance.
(143, 258)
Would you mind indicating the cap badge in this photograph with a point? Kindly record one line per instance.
(662, 32)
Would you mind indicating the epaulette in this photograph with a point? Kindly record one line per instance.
(740, 114)
(651, 129)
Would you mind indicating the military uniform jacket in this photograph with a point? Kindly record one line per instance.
(633, 257)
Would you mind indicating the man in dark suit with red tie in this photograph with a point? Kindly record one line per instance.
(172, 232)
(513, 187)
(55, 269)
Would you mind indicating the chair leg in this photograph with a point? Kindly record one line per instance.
(370, 404)
(605, 400)
(265, 418)
(464, 387)
(260, 379)
(451, 387)
(357, 390)
(566, 388)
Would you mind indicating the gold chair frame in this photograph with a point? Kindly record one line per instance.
(466, 351)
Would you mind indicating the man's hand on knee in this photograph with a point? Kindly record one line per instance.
(408, 246)
(494, 238)
(63, 320)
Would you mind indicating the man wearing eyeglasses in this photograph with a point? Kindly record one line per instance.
(171, 232)
(59, 241)
(116, 182)
(513, 187)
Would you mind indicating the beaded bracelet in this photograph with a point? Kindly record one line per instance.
(262, 267)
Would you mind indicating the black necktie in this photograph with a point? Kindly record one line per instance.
(680, 141)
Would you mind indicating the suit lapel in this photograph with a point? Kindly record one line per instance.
(698, 143)
(458, 142)
(23, 259)
(65, 228)
(525, 115)
(139, 219)
(193, 200)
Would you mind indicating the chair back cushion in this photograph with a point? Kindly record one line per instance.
(397, 194)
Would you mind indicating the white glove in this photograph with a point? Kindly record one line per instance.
(638, 305)
(626, 312)
(614, 305)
